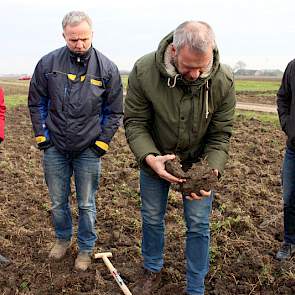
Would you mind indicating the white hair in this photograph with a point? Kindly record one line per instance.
(75, 18)
(197, 35)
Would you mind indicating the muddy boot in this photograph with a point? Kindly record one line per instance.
(83, 261)
(59, 249)
(147, 283)
(286, 251)
(4, 261)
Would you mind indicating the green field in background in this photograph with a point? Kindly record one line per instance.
(257, 85)
(261, 116)
(12, 101)
(124, 81)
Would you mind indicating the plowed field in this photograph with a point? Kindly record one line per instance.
(246, 220)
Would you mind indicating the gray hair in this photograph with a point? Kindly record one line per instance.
(197, 35)
(75, 18)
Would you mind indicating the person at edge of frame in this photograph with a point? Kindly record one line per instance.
(286, 112)
(3, 260)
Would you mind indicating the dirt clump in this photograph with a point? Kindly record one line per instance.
(199, 177)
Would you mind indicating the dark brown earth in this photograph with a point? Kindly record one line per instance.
(246, 222)
(197, 177)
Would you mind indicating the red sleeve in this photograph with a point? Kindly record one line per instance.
(2, 114)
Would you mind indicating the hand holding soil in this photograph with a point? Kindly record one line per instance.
(199, 177)
(157, 163)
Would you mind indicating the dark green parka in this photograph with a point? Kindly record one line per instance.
(166, 114)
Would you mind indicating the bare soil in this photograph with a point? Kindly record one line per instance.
(267, 97)
(246, 223)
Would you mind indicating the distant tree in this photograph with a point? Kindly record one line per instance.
(240, 65)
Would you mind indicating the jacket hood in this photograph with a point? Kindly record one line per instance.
(167, 69)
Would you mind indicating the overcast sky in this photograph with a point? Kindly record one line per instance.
(261, 33)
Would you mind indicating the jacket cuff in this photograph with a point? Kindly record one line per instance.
(43, 143)
(102, 145)
(40, 139)
(100, 148)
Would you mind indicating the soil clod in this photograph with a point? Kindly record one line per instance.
(199, 177)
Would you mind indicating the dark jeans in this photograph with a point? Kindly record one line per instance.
(288, 180)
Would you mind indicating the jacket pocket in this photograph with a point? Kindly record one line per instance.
(97, 92)
(57, 82)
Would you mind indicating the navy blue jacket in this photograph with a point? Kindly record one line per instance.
(75, 100)
(286, 104)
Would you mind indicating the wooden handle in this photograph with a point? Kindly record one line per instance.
(101, 255)
(116, 276)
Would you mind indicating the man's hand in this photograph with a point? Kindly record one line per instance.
(203, 193)
(157, 163)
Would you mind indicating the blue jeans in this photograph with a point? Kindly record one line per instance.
(154, 195)
(288, 180)
(58, 169)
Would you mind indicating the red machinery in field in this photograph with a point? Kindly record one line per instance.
(25, 77)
